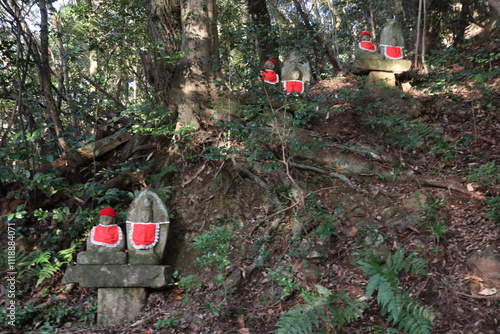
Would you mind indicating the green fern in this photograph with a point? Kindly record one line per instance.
(401, 310)
(46, 264)
(333, 309)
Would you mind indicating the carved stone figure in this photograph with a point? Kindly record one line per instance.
(392, 41)
(296, 74)
(147, 229)
(106, 243)
(366, 49)
(122, 288)
(381, 67)
(269, 74)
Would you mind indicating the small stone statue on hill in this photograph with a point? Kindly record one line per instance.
(105, 244)
(365, 49)
(392, 40)
(147, 229)
(268, 74)
(296, 74)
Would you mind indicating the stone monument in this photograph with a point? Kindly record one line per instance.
(381, 67)
(147, 229)
(269, 74)
(392, 41)
(122, 278)
(296, 74)
(105, 244)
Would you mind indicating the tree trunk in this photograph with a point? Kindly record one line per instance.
(260, 16)
(462, 23)
(195, 73)
(45, 78)
(417, 39)
(164, 25)
(372, 21)
(318, 37)
(186, 84)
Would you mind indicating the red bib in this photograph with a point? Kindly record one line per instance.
(106, 235)
(144, 235)
(367, 46)
(294, 86)
(393, 52)
(269, 76)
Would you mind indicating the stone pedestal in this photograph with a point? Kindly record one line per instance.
(366, 65)
(121, 288)
(119, 276)
(381, 79)
(117, 306)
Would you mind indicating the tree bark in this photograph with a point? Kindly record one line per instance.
(329, 52)
(164, 25)
(260, 16)
(45, 78)
(185, 85)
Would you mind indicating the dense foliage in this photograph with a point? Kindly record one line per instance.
(99, 53)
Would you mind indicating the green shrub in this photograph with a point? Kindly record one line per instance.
(214, 248)
(494, 204)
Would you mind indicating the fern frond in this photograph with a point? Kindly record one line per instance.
(48, 270)
(298, 320)
(67, 254)
(333, 308)
(402, 311)
(44, 257)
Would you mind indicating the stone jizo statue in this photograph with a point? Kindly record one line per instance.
(296, 74)
(365, 49)
(365, 42)
(106, 243)
(122, 278)
(268, 74)
(106, 236)
(147, 229)
(392, 40)
(142, 234)
(382, 67)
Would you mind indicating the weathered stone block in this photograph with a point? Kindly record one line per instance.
(117, 306)
(119, 276)
(383, 79)
(365, 65)
(101, 258)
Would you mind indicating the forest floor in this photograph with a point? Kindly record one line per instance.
(450, 289)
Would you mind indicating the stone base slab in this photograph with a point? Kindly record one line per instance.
(363, 66)
(119, 276)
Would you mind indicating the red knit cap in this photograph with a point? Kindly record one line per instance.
(364, 33)
(107, 212)
(272, 61)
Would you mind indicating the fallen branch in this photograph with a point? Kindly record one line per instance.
(331, 174)
(450, 186)
(90, 151)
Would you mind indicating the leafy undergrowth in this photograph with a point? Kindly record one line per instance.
(268, 245)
